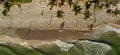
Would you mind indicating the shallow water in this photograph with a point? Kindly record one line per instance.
(78, 47)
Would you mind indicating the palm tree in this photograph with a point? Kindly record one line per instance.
(94, 4)
(60, 14)
(52, 3)
(61, 3)
(51, 19)
(116, 12)
(7, 7)
(29, 28)
(9, 3)
(70, 2)
(87, 14)
(77, 8)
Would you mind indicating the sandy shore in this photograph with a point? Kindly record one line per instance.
(50, 35)
(41, 36)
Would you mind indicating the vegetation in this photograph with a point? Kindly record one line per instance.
(84, 8)
(88, 6)
(112, 37)
(9, 3)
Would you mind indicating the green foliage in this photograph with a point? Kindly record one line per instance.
(112, 2)
(87, 14)
(87, 5)
(77, 8)
(70, 2)
(52, 3)
(9, 3)
(61, 3)
(91, 27)
(1, 1)
(7, 7)
(100, 4)
(109, 11)
(115, 12)
(60, 14)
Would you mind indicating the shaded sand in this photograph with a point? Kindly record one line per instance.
(47, 35)
(50, 35)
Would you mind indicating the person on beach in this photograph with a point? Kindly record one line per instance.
(91, 27)
(62, 25)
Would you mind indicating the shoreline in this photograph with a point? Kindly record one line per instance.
(37, 36)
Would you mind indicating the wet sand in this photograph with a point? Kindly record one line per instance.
(50, 35)
(41, 36)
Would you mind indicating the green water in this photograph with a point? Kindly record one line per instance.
(114, 39)
(78, 49)
(17, 50)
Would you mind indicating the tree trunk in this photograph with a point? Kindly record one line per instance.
(29, 28)
(51, 19)
(94, 14)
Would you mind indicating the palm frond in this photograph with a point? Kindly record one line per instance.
(116, 12)
(109, 11)
(61, 3)
(7, 7)
(88, 4)
(70, 3)
(87, 14)
(52, 3)
(60, 14)
(77, 8)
